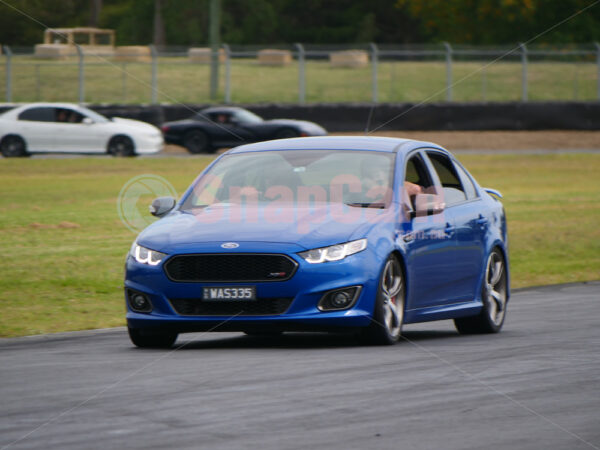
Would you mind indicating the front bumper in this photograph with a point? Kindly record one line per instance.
(146, 145)
(305, 289)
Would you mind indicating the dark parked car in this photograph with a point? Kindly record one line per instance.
(230, 126)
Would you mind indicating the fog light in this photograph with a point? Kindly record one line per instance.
(139, 302)
(339, 299)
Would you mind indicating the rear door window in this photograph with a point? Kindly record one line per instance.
(40, 114)
(454, 191)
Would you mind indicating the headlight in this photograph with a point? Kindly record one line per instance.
(333, 252)
(145, 255)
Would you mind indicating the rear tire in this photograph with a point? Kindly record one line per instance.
(493, 295)
(196, 141)
(13, 146)
(151, 339)
(388, 315)
(121, 146)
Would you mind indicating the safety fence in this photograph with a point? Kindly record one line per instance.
(305, 74)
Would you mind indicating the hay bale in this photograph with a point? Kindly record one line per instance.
(349, 58)
(98, 50)
(133, 53)
(54, 51)
(202, 55)
(272, 57)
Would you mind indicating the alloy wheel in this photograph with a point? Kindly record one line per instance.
(392, 291)
(494, 290)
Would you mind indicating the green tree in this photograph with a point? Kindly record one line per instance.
(310, 21)
(504, 21)
(23, 22)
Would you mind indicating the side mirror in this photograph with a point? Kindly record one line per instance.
(161, 206)
(87, 121)
(427, 205)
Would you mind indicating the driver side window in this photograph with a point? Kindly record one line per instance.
(417, 181)
(221, 118)
(416, 173)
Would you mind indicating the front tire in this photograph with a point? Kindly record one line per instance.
(13, 146)
(388, 315)
(196, 141)
(121, 146)
(148, 339)
(493, 295)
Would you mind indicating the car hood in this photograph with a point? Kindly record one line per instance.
(295, 228)
(137, 124)
(305, 125)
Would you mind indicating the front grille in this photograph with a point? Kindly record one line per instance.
(230, 267)
(259, 307)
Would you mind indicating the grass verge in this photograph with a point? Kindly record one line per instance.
(64, 245)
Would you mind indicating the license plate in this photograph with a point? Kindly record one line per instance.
(212, 293)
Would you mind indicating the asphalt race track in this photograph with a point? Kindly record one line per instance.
(536, 385)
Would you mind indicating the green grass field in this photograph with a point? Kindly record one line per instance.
(181, 81)
(64, 245)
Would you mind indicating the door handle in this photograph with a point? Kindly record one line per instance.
(449, 230)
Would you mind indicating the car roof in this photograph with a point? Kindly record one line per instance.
(372, 143)
(16, 109)
(222, 109)
(49, 105)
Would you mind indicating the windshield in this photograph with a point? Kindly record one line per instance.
(247, 117)
(98, 118)
(356, 178)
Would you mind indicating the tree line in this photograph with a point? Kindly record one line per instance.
(186, 22)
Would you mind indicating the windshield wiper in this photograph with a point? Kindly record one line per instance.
(378, 205)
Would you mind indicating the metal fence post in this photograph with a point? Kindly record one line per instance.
(124, 82)
(301, 75)
(214, 34)
(484, 84)
(598, 67)
(524, 72)
(8, 53)
(448, 71)
(374, 61)
(227, 73)
(154, 82)
(37, 82)
(81, 74)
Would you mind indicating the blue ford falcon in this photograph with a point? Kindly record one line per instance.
(344, 234)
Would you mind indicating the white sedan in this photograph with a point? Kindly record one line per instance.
(70, 128)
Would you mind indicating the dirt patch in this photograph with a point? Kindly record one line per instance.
(64, 224)
(486, 140)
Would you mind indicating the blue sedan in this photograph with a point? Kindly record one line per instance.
(343, 234)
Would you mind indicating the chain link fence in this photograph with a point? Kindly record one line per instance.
(308, 74)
